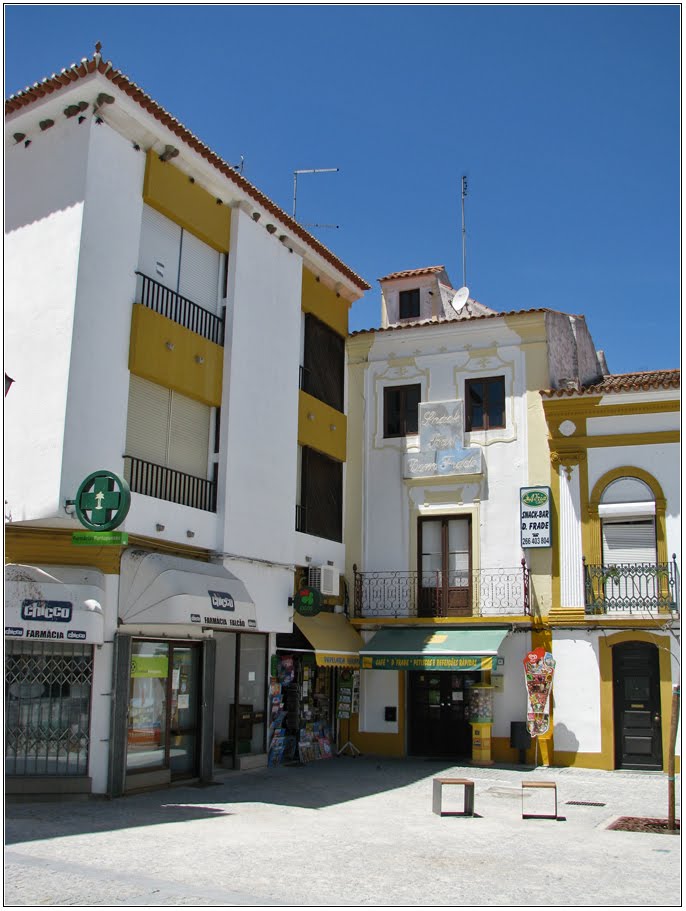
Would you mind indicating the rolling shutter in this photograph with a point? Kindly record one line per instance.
(148, 421)
(160, 246)
(166, 428)
(629, 542)
(189, 433)
(199, 273)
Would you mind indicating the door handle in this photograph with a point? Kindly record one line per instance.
(656, 717)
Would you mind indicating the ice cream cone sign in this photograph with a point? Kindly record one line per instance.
(539, 668)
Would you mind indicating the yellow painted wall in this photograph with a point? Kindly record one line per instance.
(171, 192)
(51, 546)
(177, 369)
(322, 302)
(321, 427)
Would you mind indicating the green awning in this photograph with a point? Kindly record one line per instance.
(432, 649)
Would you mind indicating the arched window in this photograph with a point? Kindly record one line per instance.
(627, 515)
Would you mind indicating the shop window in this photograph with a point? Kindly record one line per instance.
(409, 304)
(47, 708)
(401, 410)
(323, 367)
(485, 403)
(320, 510)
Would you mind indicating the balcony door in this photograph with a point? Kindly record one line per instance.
(445, 565)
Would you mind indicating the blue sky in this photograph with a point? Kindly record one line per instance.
(566, 120)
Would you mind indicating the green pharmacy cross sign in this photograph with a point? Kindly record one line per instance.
(102, 501)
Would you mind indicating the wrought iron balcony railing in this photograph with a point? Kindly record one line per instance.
(472, 593)
(181, 310)
(168, 484)
(631, 588)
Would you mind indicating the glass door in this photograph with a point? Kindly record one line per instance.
(184, 715)
(164, 716)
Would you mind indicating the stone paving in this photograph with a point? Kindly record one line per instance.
(349, 832)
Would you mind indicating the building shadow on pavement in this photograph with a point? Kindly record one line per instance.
(310, 786)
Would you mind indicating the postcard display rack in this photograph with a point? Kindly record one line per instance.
(481, 721)
(300, 711)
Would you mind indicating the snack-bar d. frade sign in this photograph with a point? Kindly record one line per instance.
(534, 514)
(441, 443)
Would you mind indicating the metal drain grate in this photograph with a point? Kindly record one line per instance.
(585, 803)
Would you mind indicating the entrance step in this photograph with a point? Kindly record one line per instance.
(252, 761)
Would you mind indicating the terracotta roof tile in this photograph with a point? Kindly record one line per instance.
(622, 382)
(438, 321)
(411, 273)
(86, 67)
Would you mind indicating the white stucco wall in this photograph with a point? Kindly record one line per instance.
(510, 704)
(257, 483)
(576, 705)
(663, 462)
(441, 359)
(44, 193)
(95, 428)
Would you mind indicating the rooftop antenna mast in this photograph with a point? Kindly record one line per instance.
(464, 232)
(295, 189)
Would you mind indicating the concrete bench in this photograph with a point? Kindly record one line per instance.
(468, 785)
(551, 785)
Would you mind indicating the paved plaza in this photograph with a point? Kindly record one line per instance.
(350, 832)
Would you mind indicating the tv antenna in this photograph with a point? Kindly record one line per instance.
(295, 189)
(464, 233)
(461, 298)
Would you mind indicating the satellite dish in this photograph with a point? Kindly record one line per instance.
(460, 299)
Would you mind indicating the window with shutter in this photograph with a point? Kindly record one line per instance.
(160, 247)
(628, 541)
(167, 429)
(199, 272)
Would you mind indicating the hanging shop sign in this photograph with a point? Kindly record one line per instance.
(102, 501)
(539, 669)
(441, 443)
(308, 602)
(534, 516)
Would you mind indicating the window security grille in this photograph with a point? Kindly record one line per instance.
(47, 708)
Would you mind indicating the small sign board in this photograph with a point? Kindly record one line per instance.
(535, 516)
(100, 538)
(308, 602)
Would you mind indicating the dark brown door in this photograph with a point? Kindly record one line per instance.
(445, 588)
(638, 724)
(437, 723)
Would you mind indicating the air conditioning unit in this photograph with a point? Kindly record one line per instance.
(325, 578)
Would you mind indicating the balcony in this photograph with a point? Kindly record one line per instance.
(181, 310)
(168, 484)
(474, 593)
(631, 588)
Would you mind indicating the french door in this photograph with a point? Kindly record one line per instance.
(445, 564)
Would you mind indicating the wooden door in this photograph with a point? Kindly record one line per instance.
(444, 585)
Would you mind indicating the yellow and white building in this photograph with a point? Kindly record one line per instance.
(164, 323)
(614, 624)
(447, 430)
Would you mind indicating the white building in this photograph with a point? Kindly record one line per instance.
(165, 323)
(447, 428)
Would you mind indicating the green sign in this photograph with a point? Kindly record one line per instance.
(102, 501)
(149, 666)
(308, 602)
(100, 538)
(427, 662)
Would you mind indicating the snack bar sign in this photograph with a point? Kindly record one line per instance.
(534, 516)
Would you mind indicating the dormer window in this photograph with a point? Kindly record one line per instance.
(409, 304)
